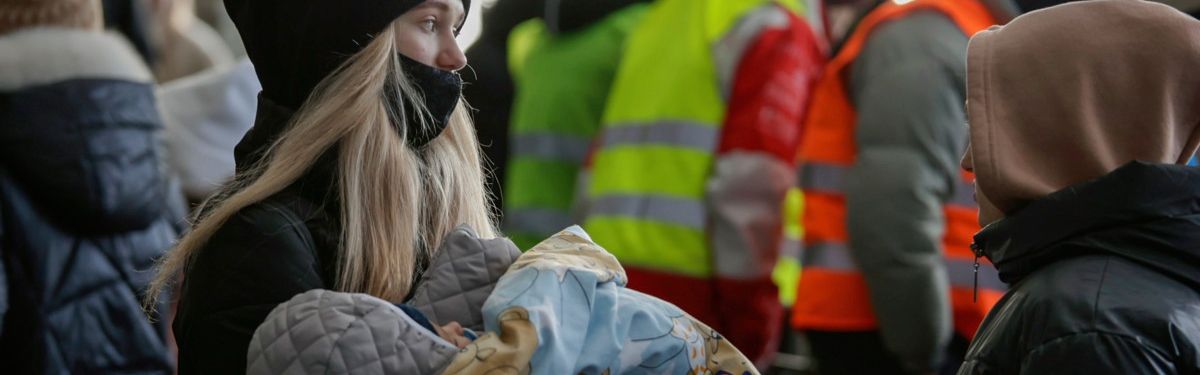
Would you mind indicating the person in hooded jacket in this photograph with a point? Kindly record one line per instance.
(360, 162)
(85, 203)
(1082, 117)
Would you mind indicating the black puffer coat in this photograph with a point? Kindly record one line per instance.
(1105, 279)
(85, 205)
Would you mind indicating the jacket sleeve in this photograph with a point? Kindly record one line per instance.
(1097, 353)
(260, 258)
(4, 305)
(327, 332)
(462, 276)
(908, 88)
(766, 66)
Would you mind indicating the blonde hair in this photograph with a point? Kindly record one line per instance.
(397, 203)
(80, 14)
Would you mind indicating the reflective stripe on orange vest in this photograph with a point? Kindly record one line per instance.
(835, 256)
(832, 293)
(830, 178)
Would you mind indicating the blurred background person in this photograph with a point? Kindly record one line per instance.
(1081, 119)
(207, 96)
(85, 203)
(132, 19)
(490, 88)
(206, 115)
(213, 13)
(694, 159)
(887, 285)
(169, 36)
(186, 45)
(563, 65)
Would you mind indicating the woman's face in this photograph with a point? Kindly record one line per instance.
(988, 213)
(427, 34)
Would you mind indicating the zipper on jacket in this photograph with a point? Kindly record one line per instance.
(978, 250)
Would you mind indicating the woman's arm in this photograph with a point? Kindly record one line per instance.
(262, 257)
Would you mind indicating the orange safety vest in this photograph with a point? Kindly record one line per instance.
(832, 294)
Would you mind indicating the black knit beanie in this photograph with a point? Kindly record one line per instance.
(294, 44)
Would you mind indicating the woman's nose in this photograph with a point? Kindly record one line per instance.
(451, 58)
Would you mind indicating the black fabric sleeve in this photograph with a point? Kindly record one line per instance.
(1096, 353)
(260, 258)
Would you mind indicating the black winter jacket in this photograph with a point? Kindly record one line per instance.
(263, 256)
(1105, 279)
(85, 205)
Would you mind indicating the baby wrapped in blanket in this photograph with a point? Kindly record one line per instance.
(560, 308)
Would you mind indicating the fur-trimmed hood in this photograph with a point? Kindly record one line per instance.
(81, 128)
(39, 56)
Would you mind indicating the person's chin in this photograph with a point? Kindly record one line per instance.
(988, 213)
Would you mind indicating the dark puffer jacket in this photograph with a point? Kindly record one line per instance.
(85, 205)
(1105, 279)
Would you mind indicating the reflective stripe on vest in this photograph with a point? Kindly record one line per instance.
(787, 271)
(535, 220)
(553, 147)
(835, 256)
(687, 213)
(830, 178)
(677, 134)
(661, 130)
(832, 293)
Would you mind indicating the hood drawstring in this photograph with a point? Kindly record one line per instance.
(978, 250)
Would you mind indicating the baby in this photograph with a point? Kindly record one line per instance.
(453, 332)
(562, 308)
(559, 308)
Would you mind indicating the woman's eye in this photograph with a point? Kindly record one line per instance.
(430, 25)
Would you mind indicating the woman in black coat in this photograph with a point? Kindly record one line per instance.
(361, 161)
(1082, 117)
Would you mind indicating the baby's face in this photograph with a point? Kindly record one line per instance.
(454, 333)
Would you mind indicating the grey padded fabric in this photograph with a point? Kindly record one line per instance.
(326, 332)
(461, 278)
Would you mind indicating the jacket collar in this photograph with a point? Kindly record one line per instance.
(318, 185)
(270, 121)
(1148, 213)
(45, 55)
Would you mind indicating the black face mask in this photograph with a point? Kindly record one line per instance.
(441, 90)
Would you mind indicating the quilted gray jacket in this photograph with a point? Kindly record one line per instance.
(327, 332)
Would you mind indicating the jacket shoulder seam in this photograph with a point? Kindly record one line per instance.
(1095, 332)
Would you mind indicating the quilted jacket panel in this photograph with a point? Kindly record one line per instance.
(326, 332)
(462, 277)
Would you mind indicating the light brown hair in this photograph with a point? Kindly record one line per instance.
(396, 201)
(19, 14)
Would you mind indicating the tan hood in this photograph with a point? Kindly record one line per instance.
(1069, 93)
